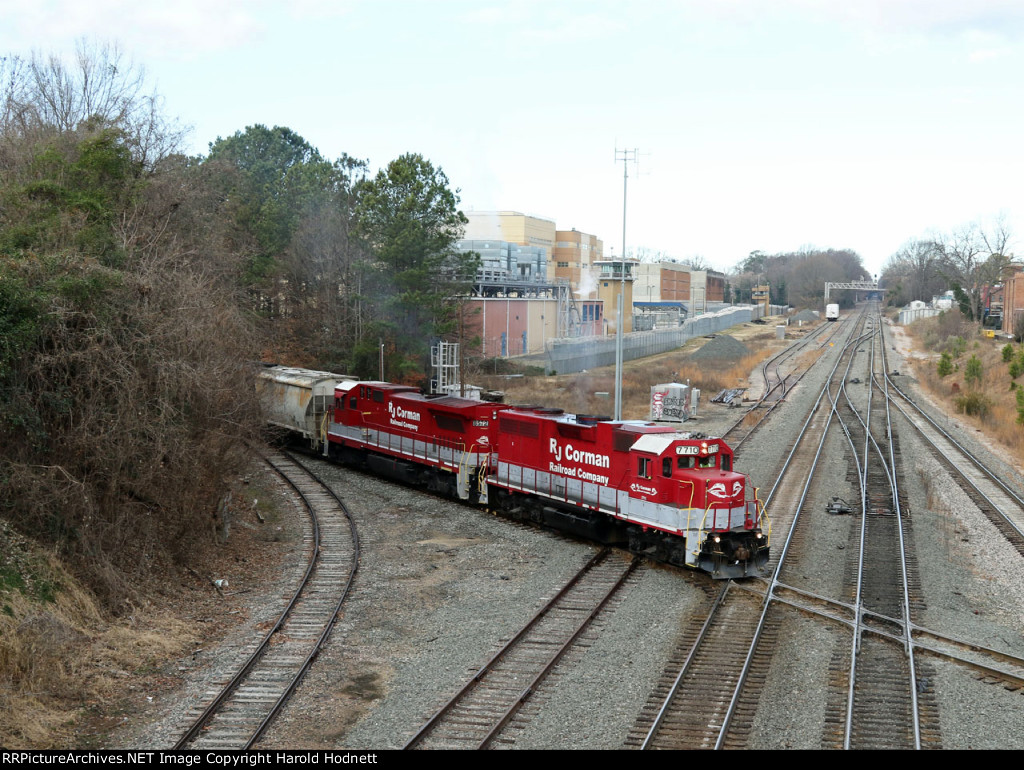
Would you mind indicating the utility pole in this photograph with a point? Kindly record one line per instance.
(625, 156)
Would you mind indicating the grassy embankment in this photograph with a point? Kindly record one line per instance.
(579, 393)
(70, 673)
(983, 392)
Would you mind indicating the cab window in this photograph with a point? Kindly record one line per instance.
(706, 462)
(684, 462)
(643, 469)
(666, 467)
(726, 463)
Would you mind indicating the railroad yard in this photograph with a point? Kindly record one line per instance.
(899, 628)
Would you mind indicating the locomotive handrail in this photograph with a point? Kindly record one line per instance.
(759, 512)
(323, 427)
(762, 520)
(464, 461)
(483, 471)
(711, 508)
(693, 490)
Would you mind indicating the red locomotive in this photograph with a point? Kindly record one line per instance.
(671, 495)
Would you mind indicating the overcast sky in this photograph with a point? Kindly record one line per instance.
(760, 124)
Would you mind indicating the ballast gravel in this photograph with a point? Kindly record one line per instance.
(441, 586)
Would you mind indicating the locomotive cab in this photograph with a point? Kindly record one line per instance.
(695, 478)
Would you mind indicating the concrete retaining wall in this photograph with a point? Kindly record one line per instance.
(908, 316)
(569, 356)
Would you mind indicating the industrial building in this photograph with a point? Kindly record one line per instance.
(537, 283)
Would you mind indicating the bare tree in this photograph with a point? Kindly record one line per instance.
(99, 88)
(125, 397)
(914, 272)
(974, 255)
(997, 236)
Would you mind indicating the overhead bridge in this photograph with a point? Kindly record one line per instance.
(861, 285)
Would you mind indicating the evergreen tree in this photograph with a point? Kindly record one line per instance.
(410, 220)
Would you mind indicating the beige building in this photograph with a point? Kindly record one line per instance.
(514, 227)
(570, 253)
(614, 275)
(661, 282)
(574, 257)
(706, 286)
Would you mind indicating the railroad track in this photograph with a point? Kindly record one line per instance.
(477, 715)
(880, 687)
(883, 709)
(1000, 504)
(879, 678)
(716, 678)
(881, 684)
(237, 715)
(689, 707)
(776, 385)
(995, 666)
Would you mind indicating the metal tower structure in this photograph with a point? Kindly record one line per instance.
(444, 358)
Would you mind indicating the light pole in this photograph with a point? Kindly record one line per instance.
(625, 156)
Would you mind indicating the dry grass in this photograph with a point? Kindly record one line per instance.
(1000, 420)
(579, 392)
(59, 656)
(71, 672)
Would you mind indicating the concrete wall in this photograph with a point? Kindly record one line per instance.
(568, 356)
(908, 316)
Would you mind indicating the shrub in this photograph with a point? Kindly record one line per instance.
(975, 404)
(972, 371)
(1015, 369)
(1007, 353)
(945, 365)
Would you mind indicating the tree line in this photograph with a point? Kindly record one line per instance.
(966, 260)
(139, 285)
(796, 278)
